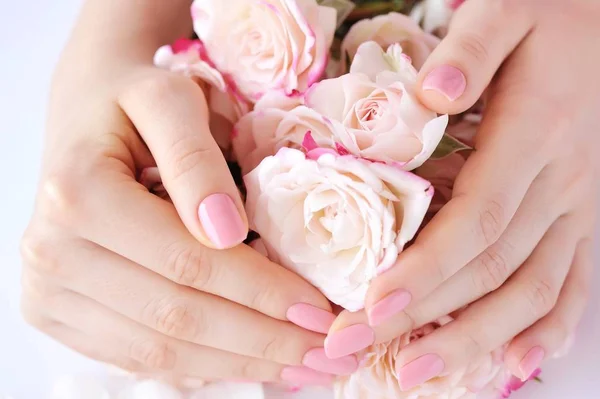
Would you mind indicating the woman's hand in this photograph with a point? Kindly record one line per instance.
(523, 204)
(127, 278)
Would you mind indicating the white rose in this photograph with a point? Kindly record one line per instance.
(267, 44)
(377, 103)
(338, 221)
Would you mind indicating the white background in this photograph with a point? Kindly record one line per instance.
(31, 35)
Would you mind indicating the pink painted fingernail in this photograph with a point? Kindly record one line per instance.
(531, 362)
(420, 370)
(310, 317)
(317, 360)
(221, 221)
(349, 340)
(446, 80)
(305, 376)
(389, 306)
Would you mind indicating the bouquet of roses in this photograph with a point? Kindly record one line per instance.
(342, 164)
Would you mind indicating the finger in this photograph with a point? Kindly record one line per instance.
(554, 333)
(171, 115)
(540, 208)
(35, 312)
(485, 199)
(153, 350)
(462, 66)
(146, 230)
(526, 298)
(186, 314)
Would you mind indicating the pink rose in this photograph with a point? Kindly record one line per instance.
(337, 221)
(377, 379)
(386, 30)
(225, 104)
(266, 44)
(377, 104)
(283, 121)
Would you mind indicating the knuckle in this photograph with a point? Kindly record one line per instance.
(152, 354)
(31, 314)
(272, 348)
(473, 348)
(248, 370)
(61, 198)
(173, 318)
(492, 221)
(541, 297)
(36, 287)
(188, 266)
(264, 297)
(492, 271)
(40, 254)
(474, 47)
(185, 155)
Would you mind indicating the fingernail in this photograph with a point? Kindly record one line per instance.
(389, 306)
(420, 370)
(531, 362)
(446, 80)
(349, 340)
(305, 376)
(317, 360)
(221, 221)
(310, 317)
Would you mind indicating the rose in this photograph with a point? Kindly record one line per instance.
(386, 30)
(377, 104)
(226, 105)
(377, 379)
(371, 113)
(278, 121)
(267, 44)
(283, 121)
(338, 221)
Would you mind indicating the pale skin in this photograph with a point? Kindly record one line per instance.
(515, 240)
(129, 279)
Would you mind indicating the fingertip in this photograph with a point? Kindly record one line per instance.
(222, 222)
(443, 89)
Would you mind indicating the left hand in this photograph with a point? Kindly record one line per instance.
(523, 204)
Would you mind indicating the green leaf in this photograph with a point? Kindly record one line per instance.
(343, 8)
(538, 379)
(447, 146)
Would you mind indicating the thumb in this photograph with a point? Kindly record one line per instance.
(171, 115)
(482, 34)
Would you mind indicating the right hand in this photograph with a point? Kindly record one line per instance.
(130, 279)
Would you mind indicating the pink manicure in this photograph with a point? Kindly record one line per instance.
(446, 80)
(221, 221)
(349, 340)
(420, 370)
(389, 306)
(305, 376)
(310, 317)
(531, 362)
(317, 360)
